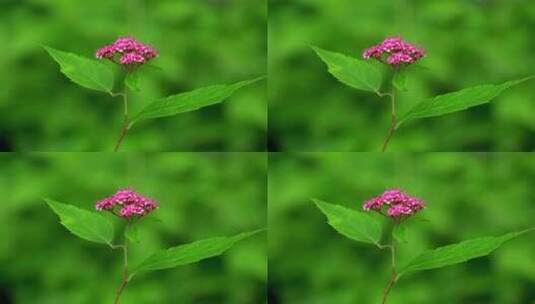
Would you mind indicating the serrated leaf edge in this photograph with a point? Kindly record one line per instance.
(503, 86)
(371, 88)
(507, 237)
(318, 203)
(51, 203)
(238, 85)
(103, 86)
(234, 239)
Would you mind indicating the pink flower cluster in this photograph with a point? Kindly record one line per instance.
(128, 203)
(127, 51)
(397, 50)
(398, 202)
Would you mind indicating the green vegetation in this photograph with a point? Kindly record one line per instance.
(469, 43)
(468, 196)
(201, 43)
(201, 195)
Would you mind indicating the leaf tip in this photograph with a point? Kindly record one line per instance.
(322, 206)
(527, 78)
(245, 235)
(319, 51)
(251, 81)
(49, 202)
(48, 49)
(316, 201)
(261, 77)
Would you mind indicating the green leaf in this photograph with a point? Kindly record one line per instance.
(355, 225)
(132, 81)
(86, 72)
(190, 101)
(400, 233)
(457, 101)
(457, 253)
(399, 81)
(190, 253)
(87, 225)
(131, 233)
(350, 71)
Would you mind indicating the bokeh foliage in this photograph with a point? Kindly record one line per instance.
(468, 42)
(201, 195)
(469, 195)
(201, 43)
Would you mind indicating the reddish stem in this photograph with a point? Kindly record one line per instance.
(120, 289)
(125, 278)
(394, 275)
(389, 286)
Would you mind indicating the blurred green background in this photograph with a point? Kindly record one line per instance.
(201, 195)
(468, 195)
(201, 42)
(469, 42)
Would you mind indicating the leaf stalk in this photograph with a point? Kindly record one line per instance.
(125, 277)
(393, 120)
(126, 126)
(394, 274)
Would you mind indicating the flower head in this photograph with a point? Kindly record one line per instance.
(128, 203)
(397, 202)
(396, 50)
(127, 51)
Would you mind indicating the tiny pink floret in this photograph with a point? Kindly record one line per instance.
(132, 58)
(396, 50)
(127, 51)
(128, 203)
(106, 52)
(397, 202)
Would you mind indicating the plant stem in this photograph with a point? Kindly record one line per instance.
(120, 291)
(124, 128)
(125, 278)
(394, 274)
(393, 122)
